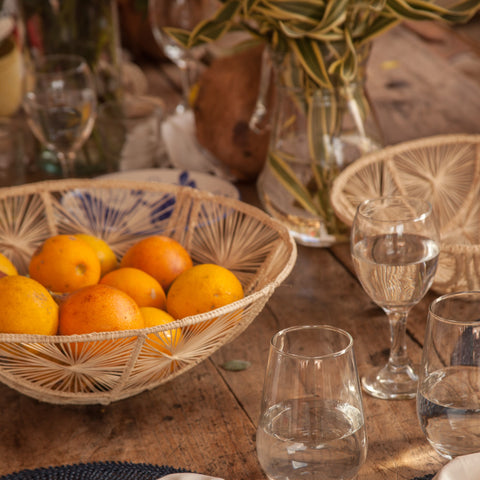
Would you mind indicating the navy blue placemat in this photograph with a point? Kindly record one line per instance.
(106, 471)
(95, 471)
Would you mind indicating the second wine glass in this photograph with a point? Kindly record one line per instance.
(184, 15)
(395, 246)
(61, 104)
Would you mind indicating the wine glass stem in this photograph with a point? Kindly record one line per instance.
(67, 161)
(398, 358)
(188, 77)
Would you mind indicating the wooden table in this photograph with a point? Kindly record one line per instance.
(205, 420)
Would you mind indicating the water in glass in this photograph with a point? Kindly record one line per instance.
(290, 449)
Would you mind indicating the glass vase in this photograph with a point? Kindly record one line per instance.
(315, 133)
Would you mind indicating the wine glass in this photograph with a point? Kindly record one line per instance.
(395, 246)
(61, 103)
(184, 14)
(312, 423)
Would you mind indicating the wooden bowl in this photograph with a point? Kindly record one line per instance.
(442, 169)
(105, 367)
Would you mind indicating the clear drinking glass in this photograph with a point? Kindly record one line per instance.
(185, 15)
(312, 423)
(395, 248)
(60, 103)
(448, 400)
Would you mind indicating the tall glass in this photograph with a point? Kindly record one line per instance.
(312, 423)
(395, 247)
(448, 400)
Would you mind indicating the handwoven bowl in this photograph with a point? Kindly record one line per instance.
(109, 366)
(442, 169)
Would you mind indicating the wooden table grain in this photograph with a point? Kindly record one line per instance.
(423, 82)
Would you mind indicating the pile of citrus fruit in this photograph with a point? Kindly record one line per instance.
(76, 285)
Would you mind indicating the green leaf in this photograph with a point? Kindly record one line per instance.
(346, 66)
(303, 11)
(179, 35)
(236, 365)
(377, 27)
(212, 29)
(404, 10)
(377, 5)
(289, 180)
(335, 14)
(249, 5)
(310, 57)
(425, 10)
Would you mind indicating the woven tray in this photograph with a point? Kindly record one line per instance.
(109, 366)
(442, 169)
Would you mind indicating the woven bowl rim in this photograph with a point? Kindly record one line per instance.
(389, 151)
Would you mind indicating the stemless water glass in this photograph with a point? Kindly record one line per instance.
(312, 422)
(60, 103)
(448, 400)
(395, 248)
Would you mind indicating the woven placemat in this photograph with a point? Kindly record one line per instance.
(106, 471)
(96, 471)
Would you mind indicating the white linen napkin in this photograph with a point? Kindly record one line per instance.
(188, 476)
(465, 467)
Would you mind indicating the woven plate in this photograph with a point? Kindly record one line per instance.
(104, 367)
(444, 170)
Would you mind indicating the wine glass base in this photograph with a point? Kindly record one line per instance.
(389, 383)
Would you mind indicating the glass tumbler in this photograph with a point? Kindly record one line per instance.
(448, 400)
(312, 422)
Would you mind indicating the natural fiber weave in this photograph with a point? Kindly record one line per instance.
(442, 169)
(106, 471)
(95, 471)
(104, 367)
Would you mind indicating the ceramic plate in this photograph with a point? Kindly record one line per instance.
(202, 181)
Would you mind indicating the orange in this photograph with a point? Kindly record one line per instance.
(65, 263)
(27, 307)
(141, 286)
(6, 266)
(168, 338)
(202, 288)
(98, 308)
(108, 260)
(162, 257)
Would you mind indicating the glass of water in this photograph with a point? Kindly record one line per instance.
(448, 400)
(312, 422)
(395, 247)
